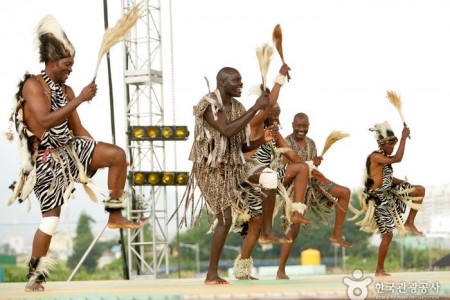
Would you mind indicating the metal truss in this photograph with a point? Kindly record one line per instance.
(147, 248)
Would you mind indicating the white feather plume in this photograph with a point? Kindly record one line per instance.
(264, 55)
(118, 32)
(49, 24)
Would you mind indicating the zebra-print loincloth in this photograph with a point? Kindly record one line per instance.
(56, 163)
(57, 170)
(388, 205)
(263, 155)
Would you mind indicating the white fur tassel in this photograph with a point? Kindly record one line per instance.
(90, 192)
(29, 184)
(17, 188)
(68, 192)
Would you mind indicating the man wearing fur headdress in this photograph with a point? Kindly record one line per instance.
(56, 149)
(385, 197)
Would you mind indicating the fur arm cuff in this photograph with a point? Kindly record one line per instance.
(280, 79)
(311, 166)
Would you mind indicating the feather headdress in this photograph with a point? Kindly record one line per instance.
(52, 41)
(383, 133)
(117, 33)
(264, 55)
(277, 38)
(397, 102)
(332, 138)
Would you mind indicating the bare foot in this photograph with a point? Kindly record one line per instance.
(340, 241)
(412, 229)
(381, 273)
(121, 222)
(298, 218)
(34, 287)
(273, 239)
(282, 276)
(215, 279)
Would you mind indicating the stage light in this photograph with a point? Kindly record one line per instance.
(167, 132)
(153, 132)
(168, 178)
(182, 178)
(153, 178)
(181, 132)
(140, 178)
(138, 133)
(158, 133)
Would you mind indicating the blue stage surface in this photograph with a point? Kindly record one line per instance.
(408, 285)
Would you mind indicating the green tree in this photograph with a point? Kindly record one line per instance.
(315, 236)
(82, 241)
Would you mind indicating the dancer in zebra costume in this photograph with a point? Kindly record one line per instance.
(295, 174)
(385, 197)
(56, 150)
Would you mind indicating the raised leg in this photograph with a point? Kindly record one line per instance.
(298, 174)
(419, 191)
(112, 157)
(343, 196)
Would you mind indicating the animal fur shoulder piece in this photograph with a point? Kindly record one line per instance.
(52, 41)
(28, 144)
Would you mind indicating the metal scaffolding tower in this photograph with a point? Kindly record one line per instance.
(147, 248)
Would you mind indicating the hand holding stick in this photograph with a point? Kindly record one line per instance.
(397, 102)
(277, 37)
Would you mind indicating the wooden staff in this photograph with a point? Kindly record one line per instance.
(277, 37)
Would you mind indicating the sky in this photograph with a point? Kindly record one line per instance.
(344, 56)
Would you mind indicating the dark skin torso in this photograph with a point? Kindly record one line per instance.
(378, 160)
(37, 107)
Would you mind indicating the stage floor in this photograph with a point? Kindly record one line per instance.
(411, 285)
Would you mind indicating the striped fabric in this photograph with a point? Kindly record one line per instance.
(388, 205)
(264, 155)
(56, 166)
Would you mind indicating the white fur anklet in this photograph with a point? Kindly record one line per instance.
(298, 207)
(243, 267)
(38, 271)
(116, 203)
